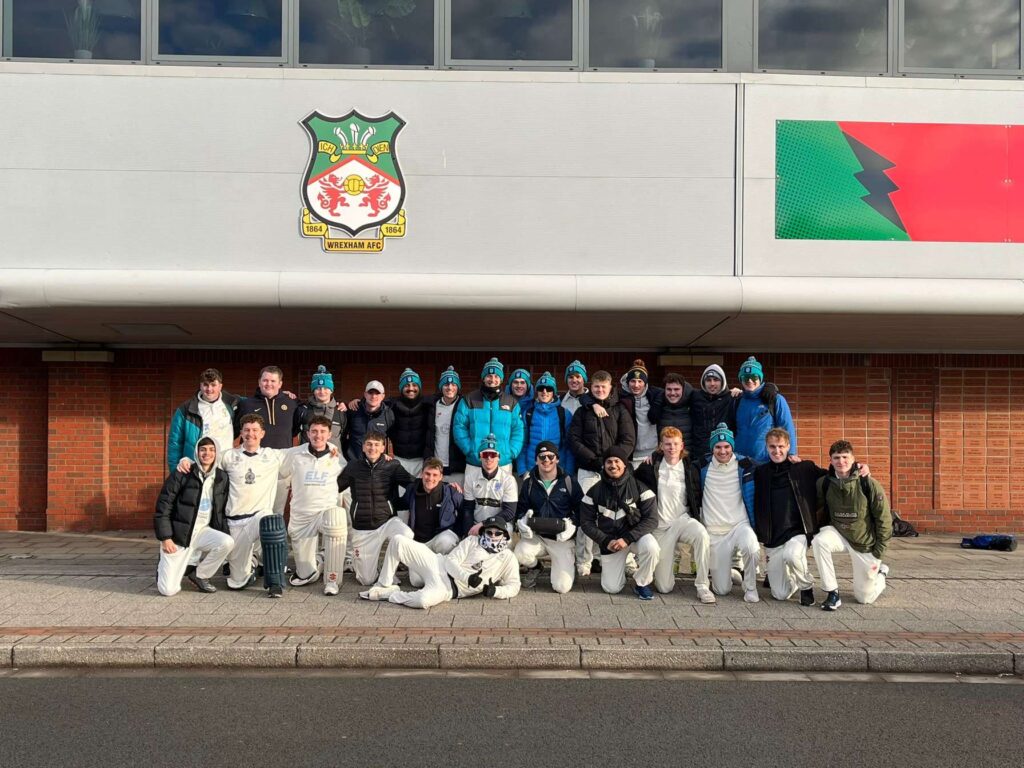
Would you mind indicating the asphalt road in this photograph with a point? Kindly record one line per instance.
(283, 720)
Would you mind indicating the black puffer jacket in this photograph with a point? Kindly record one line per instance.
(666, 414)
(360, 421)
(178, 502)
(409, 432)
(375, 489)
(707, 412)
(590, 437)
(648, 475)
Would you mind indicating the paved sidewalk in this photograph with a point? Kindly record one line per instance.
(91, 600)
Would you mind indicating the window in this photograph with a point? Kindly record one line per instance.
(220, 28)
(823, 35)
(532, 31)
(75, 29)
(961, 34)
(365, 32)
(656, 33)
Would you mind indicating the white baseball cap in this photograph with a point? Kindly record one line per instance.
(375, 385)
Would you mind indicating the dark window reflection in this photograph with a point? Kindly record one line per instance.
(512, 30)
(83, 29)
(823, 35)
(220, 28)
(665, 33)
(962, 34)
(366, 32)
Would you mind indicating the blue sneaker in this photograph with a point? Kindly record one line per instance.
(644, 593)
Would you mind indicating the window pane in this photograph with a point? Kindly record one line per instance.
(366, 32)
(220, 28)
(669, 33)
(84, 29)
(512, 30)
(962, 34)
(823, 35)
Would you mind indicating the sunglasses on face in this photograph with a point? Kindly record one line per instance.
(488, 455)
(494, 533)
(545, 389)
(547, 457)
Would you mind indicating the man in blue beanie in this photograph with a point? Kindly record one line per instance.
(576, 384)
(761, 407)
(440, 434)
(488, 412)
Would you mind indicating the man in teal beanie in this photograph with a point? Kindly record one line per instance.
(760, 407)
(488, 411)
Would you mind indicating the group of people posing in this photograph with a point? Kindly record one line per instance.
(599, 479)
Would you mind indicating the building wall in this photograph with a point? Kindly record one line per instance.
(935, 429)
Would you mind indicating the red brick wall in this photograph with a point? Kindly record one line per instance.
(23, 441)
(84, 444)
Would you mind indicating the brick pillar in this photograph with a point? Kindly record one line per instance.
(913, 446)
(78, 428)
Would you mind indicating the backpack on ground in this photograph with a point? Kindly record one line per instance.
(901, 527)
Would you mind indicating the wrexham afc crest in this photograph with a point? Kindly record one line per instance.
(353, 183)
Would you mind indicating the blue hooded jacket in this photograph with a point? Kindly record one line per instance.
(477, 416)
(753, 420)
(541, 423)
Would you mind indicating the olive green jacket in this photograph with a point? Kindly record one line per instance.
(863, 520)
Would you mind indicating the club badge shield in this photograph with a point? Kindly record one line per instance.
(353, 183)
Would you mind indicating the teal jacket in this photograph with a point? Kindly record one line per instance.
(478, 416)
(187, 428)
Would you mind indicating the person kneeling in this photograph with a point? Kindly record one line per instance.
(548, 503)
(190, 516)
(478, 565)
(620, 514)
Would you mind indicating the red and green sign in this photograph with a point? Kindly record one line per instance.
(926, 182)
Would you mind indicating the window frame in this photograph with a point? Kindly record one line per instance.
(889, 41)
(573, 64)
(7, 39)
(589, 66)
(284, 60)
(296, 34)
(957, 72)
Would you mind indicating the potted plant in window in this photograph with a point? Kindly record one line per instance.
(647, 34)
(83, 29)
(356, 19)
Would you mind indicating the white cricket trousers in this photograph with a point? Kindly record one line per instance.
(586, 548)
(366, 546)
(441, 544)
(215, 544)
(246, 534)
(788, 571)
(686, 530)
(868, 582)
(428, 568)
(413, 466)
(613, 566)
(304, 529)
(740, 539)
(562, 554)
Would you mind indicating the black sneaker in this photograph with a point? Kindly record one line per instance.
(528, 580)
(276, 591)
(203, 585)
(596, 567)
(766, 584)
(807, 597)
(225, 569)
(831, 601)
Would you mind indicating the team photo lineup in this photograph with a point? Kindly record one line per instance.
(480, 492)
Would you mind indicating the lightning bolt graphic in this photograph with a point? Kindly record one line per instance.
(875, 180)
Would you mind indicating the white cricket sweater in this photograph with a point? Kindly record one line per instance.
(672, 502)
(252, 479)
(314, 479)
(723, 507)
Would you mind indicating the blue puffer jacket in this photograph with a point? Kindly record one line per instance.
(541, 422)
(476, 417)
(746, 469)
(753, 420)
